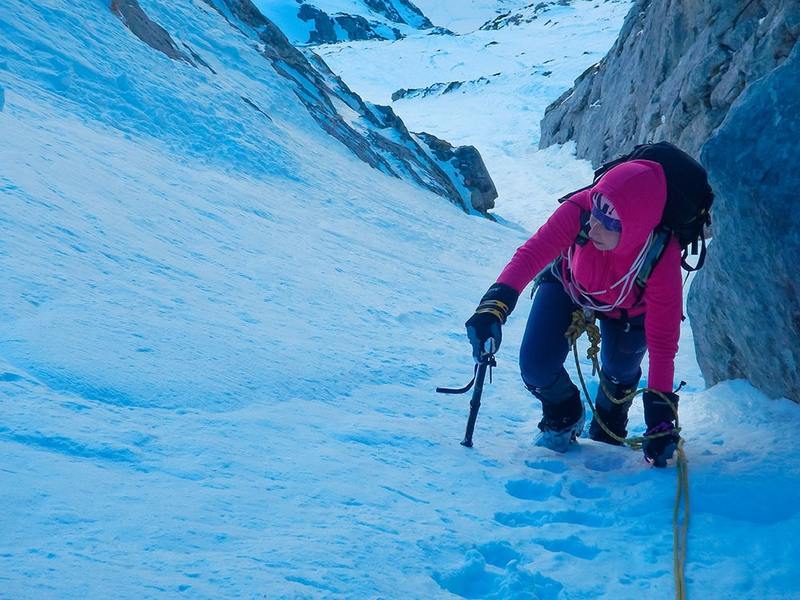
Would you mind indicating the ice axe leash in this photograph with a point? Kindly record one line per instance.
(485, 363)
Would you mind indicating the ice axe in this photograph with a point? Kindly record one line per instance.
(485, 362)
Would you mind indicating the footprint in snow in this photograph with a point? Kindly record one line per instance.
(604, 462)
(476, 579)
(579, 489)
(551, 466)
(571, 545)
(539, 518)
(525, 489)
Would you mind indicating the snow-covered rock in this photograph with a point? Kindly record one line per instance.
(437, 89)
(673, 74)
(150, 32)
(745, 303)
(331, 21)
(524, 15)
(470, 166)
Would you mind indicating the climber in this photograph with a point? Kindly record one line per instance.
(599, 274)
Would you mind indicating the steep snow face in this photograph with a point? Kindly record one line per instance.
(330, 21)
(232, 74)
(258, 112)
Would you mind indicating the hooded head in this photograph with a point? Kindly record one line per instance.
(633, 194)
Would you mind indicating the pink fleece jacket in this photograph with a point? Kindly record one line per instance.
(638, 191)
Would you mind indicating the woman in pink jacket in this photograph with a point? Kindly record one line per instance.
(624, 208)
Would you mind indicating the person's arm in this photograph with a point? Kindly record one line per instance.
(552, 238)
(555, 236)
(664, 303)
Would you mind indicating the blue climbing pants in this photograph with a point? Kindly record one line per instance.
(544, 347)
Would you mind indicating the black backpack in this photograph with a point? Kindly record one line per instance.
(686, 213)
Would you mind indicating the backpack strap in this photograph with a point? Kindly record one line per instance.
(583, 235)
(654, 251)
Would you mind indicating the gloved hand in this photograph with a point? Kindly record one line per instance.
(492, 312)
(660, 419)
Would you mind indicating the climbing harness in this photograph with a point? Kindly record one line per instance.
(584, 321)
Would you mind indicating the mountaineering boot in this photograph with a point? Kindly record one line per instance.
(563, 415)
(614, 416)
(561, 424)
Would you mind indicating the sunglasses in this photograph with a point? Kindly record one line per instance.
(602, 210)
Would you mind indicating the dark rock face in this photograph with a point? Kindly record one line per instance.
(745, 303)
(388, 9)
(687, 71)
(525, 15)
(324, 31)
(436, 89)
(672, 74)
(359, 27)
(468, 163)
(150, 32)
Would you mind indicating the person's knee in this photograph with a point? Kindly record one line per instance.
(557, 389)
(621, 376)
(537, 373)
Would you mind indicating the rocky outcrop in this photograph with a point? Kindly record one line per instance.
(364, 20)
(673, 73)
(722, 80)
(392, 9)
(745, 304)
(527, 14)
(376, 136)
(324, 31)
(147, 30)
(437, 89)
(358, 28)
(467, 162)
(355, 27)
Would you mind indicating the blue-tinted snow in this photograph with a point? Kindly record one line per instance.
(219, 342)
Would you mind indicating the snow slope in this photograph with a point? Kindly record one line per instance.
(218, 355)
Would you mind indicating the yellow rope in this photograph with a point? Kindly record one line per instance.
(581, 323)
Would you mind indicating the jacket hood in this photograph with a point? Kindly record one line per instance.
(638, 191)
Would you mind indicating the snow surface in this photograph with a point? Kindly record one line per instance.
(220, 340)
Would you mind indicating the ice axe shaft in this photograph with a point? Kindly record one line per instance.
(475, 403)
(486, 362)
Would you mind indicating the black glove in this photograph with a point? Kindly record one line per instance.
(496, 304)
(660, 419)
